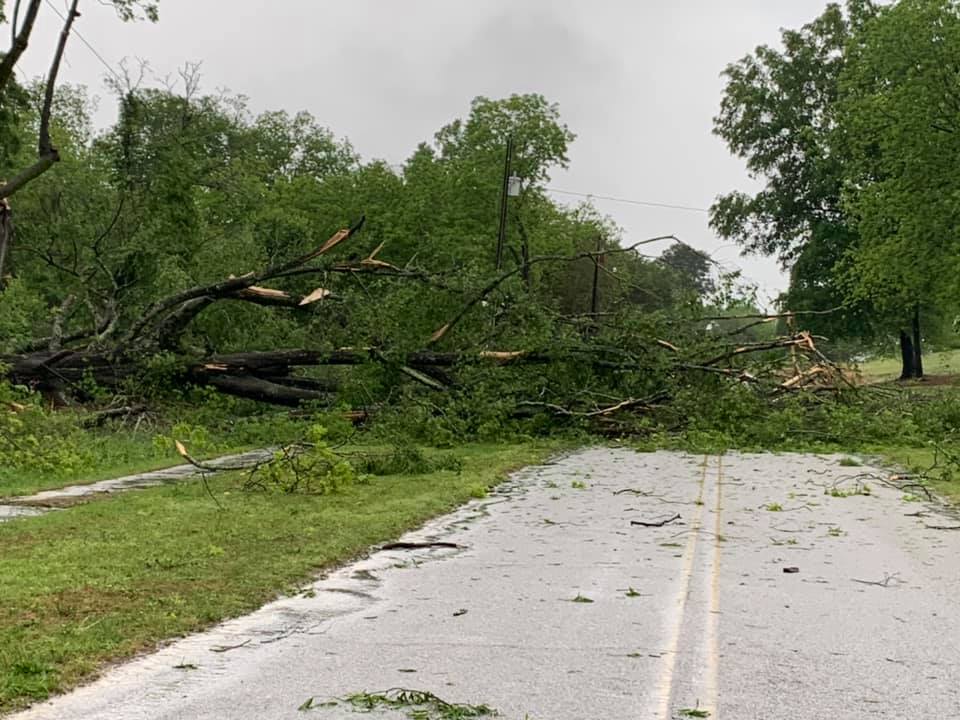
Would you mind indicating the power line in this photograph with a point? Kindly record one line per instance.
(82, 39)
(645, 203)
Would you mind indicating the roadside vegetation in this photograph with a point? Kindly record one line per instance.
(123, 573)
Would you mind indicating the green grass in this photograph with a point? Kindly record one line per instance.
(121, 455)
(111, 453)
(108, 579)
(916, 460)
(943, 362)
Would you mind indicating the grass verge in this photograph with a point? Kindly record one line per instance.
(123, 454)
(920, 460)
(111, 452)
(108, 579)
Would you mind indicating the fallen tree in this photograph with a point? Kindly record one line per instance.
(611, 365)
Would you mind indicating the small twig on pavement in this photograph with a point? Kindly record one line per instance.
(418, 545)
(649, 494)
(226, 648)
(919, 486)
(879, 583)
(658, 523)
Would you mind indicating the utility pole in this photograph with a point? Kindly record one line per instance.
(595, 296)
(504, 191)
(6, 237)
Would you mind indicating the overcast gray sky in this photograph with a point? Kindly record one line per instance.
(638, 81)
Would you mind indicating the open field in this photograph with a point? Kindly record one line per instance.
(941, 362)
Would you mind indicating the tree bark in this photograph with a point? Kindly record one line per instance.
(907, 356)
(47, 154)
(917, 352)
(263, 390)
(20, 42)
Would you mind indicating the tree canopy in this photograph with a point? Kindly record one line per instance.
(850, 125)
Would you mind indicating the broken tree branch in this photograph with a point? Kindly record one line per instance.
(20, 41)
(47, 154)
(233, 285)
(419, 545)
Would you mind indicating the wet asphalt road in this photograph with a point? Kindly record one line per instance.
(697, 614)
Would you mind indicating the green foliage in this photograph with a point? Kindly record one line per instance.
(419, 704)
(693, 267)
(135, 9)
(696, 712)
(853, 125)
(38, 441)
(313, 468)
(21, 310)
(841, 492)
(540, 139)
(779, 113)
(406, 459)
(13, 103)
(187, 189)
(900, 119)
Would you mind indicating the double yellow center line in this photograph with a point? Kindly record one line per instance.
(712, 649)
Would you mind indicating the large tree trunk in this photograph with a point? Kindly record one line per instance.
(911, 353)
(907, 357)
(917, 353)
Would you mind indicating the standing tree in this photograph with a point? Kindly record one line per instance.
(779, 114)
(23, 16)
(900, 110)
(693, 266)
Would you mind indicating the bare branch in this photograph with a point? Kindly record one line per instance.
(770, 316)
(47, 154)
(19, 42)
